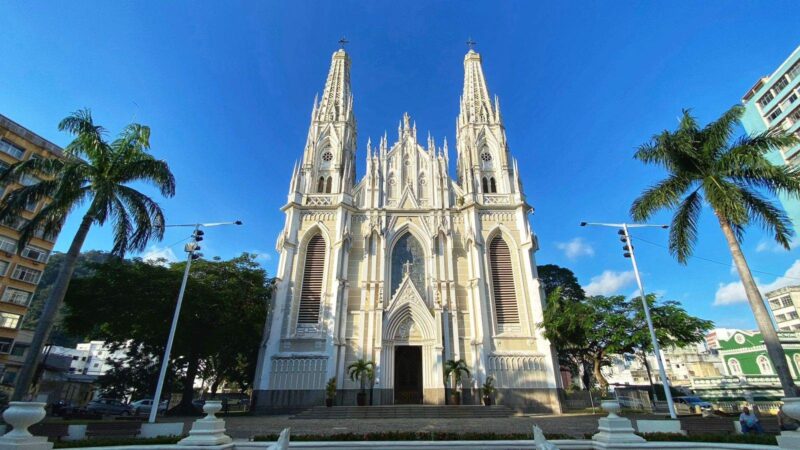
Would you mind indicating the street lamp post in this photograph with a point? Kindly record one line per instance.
(629, 253)
(191, 249)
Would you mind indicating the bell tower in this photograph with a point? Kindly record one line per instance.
(328, 164)
(484, 164)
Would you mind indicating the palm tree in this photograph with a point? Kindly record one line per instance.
(456, 370)
(705, 165)
(94, 172)
(361, 370)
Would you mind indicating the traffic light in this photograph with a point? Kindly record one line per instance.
(193, 246)
(627, 248)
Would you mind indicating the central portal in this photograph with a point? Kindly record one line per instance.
(408, 374)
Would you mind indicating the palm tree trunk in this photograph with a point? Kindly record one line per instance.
(763, 320)
(50, 310)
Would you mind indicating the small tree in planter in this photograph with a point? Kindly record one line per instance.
(330, 392)
(361, 370)
(456, 371)
(488, 390)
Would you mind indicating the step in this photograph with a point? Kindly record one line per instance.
(405, 412)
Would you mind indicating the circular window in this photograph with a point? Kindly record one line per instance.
(327, 156)
(486, 156)
(739, 339)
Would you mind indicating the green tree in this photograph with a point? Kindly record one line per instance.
(554, 277)
(219, 328)
(732, 176)
(361, 370)
(94, 172)
(456, 370)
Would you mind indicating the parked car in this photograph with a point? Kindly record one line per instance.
(109, 406)
(144, 406)
(693, 402)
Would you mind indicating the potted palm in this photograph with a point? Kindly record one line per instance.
(330, 392)
(455, 370)
(361, 370)
(488, 390)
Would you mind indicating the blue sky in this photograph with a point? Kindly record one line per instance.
(228, 88)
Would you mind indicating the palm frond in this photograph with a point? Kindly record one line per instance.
(149, 170)
(683, 232)
(715, 135)
(768, 216)
(665, 194)
(148, 219)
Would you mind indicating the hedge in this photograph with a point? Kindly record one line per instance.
(104, 442)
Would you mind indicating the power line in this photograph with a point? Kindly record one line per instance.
(715, 261)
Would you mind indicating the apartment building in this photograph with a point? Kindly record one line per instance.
(20, 272)
(784, 305)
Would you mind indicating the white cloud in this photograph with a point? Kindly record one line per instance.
(769, 245)
(733, 292)
(609, 282)
(159, 255)
(261, 255)
(575, 248)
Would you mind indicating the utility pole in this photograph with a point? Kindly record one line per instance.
(192, 250)
(628, 253)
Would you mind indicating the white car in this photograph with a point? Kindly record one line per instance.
(143, 406)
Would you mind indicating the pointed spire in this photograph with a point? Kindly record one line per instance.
(336, 103)
(476, 105)
(445, 150)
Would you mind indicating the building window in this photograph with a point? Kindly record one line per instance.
(11, 149)
(5, 345)
(775, 303)
(734, 367)
(9, 378)
(793, 315)
(786, 301)
(774, 114)
(794, 72)
(505, 297)
(764, 101)
(407, 250)
(321, 185)
(764, 366)
(35, 253)
(14, 222)
(26, 274)
(7, 244)
(28, 180)
(327, 156)
(485, 185)
(18, 296)
(492, 185)
(9, 320)
(19, 350)
(779, 85)
(4, 267)
(328, 185)
(311, 291)
(486, 156)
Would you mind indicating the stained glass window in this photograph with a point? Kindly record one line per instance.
(408, 250)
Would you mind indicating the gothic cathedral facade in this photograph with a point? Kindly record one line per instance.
(406, 267)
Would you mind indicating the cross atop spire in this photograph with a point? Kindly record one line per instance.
(470, 43)
(342, 42)
(407, 268)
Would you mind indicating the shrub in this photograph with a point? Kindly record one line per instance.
(760, 439)
(108, 442)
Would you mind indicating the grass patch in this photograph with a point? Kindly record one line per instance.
(104, 442)
(759, 439)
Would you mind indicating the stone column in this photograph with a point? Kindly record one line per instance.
(208, 431)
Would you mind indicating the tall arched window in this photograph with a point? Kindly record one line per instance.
(321, 185)
(485, 185)
(493, 185)
(408, 255)
(796, 358)
(328, 185)
(505, 298)
(311, 290)
(764, 366)
(734, 367)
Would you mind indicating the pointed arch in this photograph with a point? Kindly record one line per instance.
(485, 185)
(493, 185)
(502, 273)
(328, 185)
(313, 275)
(321, 185)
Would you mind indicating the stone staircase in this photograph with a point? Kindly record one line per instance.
(405, 412)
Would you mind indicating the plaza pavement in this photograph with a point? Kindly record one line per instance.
(577, 425)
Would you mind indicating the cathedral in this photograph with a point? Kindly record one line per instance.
(406, 267)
